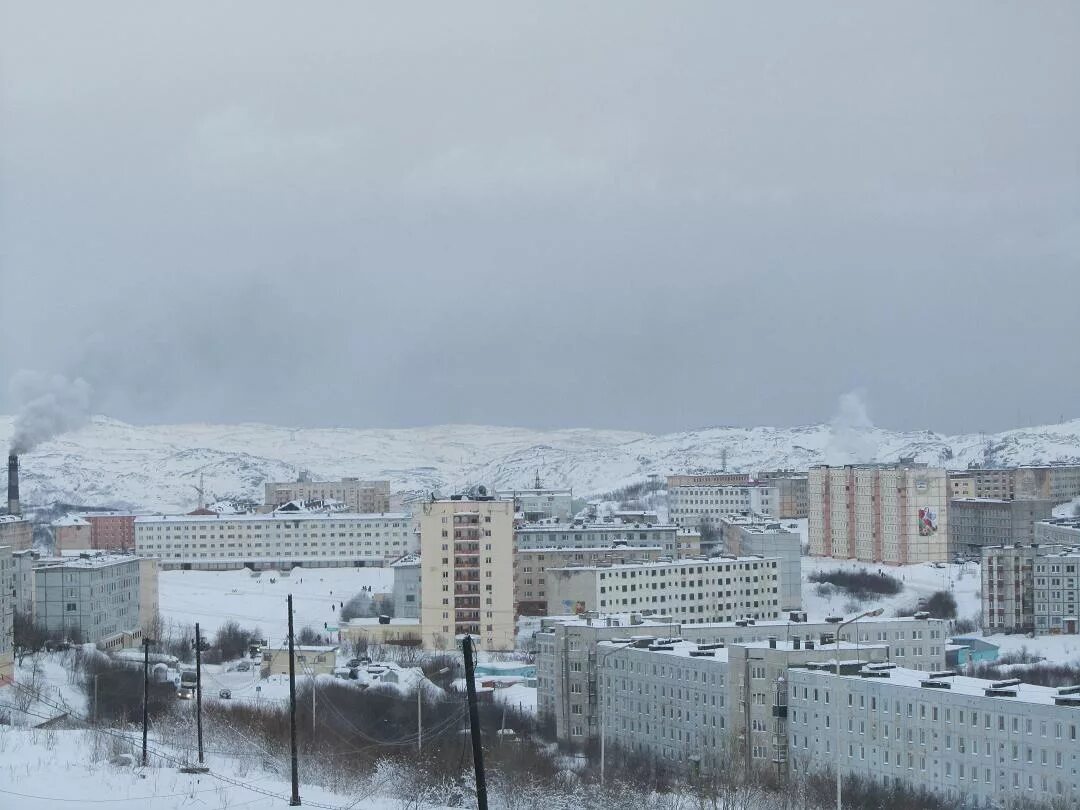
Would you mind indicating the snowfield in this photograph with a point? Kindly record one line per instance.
(110, 463)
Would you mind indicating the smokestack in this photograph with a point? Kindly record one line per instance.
(13, 485)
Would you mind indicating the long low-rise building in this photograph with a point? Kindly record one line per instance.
(581, 534)
(689, 591)
(1062, 531)
(531, 566)
(991, 743)
(695, 505)
(978, 522)
(277, 540)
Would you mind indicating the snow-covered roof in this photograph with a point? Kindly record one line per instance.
(311, 648)
(256, 517)
(70, 520)
(618, 620)
(788, 624)
(373, 621)
(685, 561)
(12, 519)
(679, 649)
(577, 549)
(84, 560)
(553, 525)
(409, 560)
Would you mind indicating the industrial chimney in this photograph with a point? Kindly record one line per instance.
(13, 485)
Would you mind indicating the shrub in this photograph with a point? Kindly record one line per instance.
(860, 584)
(232, 641)
(941, 605)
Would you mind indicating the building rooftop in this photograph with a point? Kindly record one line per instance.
(84, 560)
(1006, 691)
(776, 624)
(408, 561)
(372, 621)
(674, 647)
(12, 519)
(256, 517)
(578, 549)
(1066, 522)
(307, 648)
(685, 561)
(70, 520)
(613, 524)
(622, 620)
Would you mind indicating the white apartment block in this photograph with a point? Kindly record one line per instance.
(95, 598)
(566, 667)
(752, 533)
(467, 569)
(1007, 592)
(988, 742)
(689, 591)
(581, 534)
(7, 610)
(1058, 531)
(358, 496)
(886, 513)
(540, 503)
(277, 540)
(531, 565)
(914, 642)
(692, 505)
(1057, 591)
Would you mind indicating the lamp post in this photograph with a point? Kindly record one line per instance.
(836, 713)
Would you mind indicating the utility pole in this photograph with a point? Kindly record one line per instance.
(95, 699)
(145, 695)
(419, 717)
(198, 689)
(474, 724)
(294, 801)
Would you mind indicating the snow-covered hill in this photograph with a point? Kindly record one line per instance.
(157, 467)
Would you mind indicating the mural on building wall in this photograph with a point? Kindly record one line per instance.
(928, 522)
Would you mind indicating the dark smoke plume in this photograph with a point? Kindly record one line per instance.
(49, 404)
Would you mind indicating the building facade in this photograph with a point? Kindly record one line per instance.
(16, 532)
(608, 533)
(310, 660)
(71, 533)
(884, 513)
(539, 503)
(1057, 591)
(530, 569)
(113, 531)
(791, 492)
(1008, 596)
(7, 613)
(95, 598)
(278, 540)
(695, 505)
(1058, 531)
(407, 587)
(978, 522)
(753, 534)
(362, 497)
(1055, 482)
(965, 738)
(567, 665)
(467, 567)
(689, 591)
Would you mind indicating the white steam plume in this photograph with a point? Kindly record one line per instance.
(850, 441)
(49, 404)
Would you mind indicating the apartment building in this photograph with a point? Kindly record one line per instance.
(884, 513)
(22, 580)
(585, 534)
(531, 565)
(988, 742)
(278, 540)
(566, 667)
(95, 598)
(467, 566)
(407, 587)
(689, 591)
(1057, 591)
(750, 533)
(978, 522)
(540, 503)
(71, 533)
(148, 594)
(111, 530)
(309, 660)
(1055, 482)
(917, 642)
(1058, 531)
(694, 505)
(791, 492)
(688, 544)
(7, 611)
(16, 532)
(361, 497)
(1008, 596)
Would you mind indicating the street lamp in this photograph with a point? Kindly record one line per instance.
(836, 712)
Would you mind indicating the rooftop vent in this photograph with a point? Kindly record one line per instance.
(921, 614)
(833, 619)
(1005, 684)
(1000, 692)
(944, 673)
(934, 684)
(1069, 690)
(702, 653)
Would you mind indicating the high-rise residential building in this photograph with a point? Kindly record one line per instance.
(113, 531)
(407, 587)
(754, 534)
(990, 743)
(1057, 590)
(978, 522)
(596, 534)
(95, 598)
(689, 591)
(1061, 531)
(1008, 588)
(362, 497)
(540, 503)
(567, 663)
(886, 513)
(71, 533)
(467, 566)
(7, 609)
(277, 540)
(694, 501)
(531, 565)
(791, 492)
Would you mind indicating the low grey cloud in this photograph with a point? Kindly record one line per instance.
(613, 215)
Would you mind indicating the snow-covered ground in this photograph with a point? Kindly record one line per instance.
(155, 467)
(214, 597)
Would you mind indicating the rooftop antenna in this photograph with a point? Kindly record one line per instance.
(537, 484)
(202, 492)
(723, 459)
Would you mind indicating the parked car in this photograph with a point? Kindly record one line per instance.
(354, 662)
(185, 693)
(225, 694)
(243, 666)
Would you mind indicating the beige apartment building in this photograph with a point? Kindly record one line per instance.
(358, 496)
(885, 513)
(16, 532)
(1056, 482)
(467, 569)
(310, 660)
(531, 565)
(791, 492)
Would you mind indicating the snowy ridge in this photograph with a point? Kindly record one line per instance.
(110, 463)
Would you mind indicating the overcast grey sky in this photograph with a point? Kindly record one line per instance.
(634, 215)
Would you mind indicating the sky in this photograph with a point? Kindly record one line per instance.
(615, 214)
